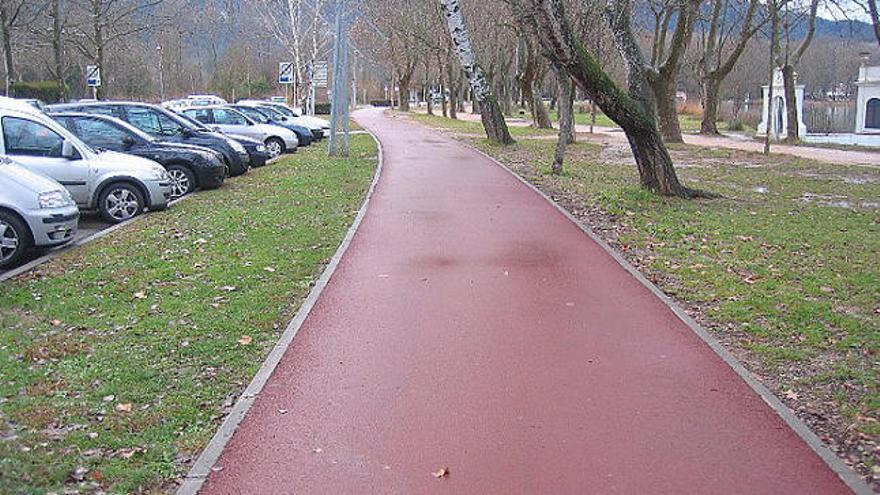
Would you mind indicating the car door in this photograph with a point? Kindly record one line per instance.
(39, 148)
(232, 122)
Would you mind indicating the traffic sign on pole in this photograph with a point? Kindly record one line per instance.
(319, 74)
(285, 73)
(93, 76)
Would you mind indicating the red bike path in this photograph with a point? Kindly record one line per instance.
(474, 328)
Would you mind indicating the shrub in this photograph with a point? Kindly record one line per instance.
(736, 125)
(322, 108)
(380, 103)
(46, 91)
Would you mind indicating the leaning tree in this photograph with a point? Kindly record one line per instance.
(490, 110)
(634, 108)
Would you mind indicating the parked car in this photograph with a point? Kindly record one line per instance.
(167, 126)
(319, 127)
(277, 139)
(119, 186)
(266, 116)
(35, 211)
(190, 167)
(256, 149)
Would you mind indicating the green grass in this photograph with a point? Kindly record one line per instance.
(153, 316)
(469, 127)
(784, 268)
(688, 123)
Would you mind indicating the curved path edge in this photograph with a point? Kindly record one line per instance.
(844, 472)
(200, 470)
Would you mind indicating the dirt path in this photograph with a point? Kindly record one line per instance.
(474, 340)
(736, 142)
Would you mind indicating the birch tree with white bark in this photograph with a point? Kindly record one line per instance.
(490, 111)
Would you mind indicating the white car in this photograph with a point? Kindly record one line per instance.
(34, 211)
(277, 139)
(117, 185)
(320, 127)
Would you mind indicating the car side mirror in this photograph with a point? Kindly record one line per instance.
(68, 151)
(187, 132)
(128, 142)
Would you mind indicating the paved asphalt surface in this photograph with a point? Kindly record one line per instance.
(471, 327)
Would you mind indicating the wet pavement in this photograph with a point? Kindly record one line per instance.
(474, 340)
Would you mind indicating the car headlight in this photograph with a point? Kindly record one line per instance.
(55, 199)
(237, 147)
(160, 173)
(261, 148)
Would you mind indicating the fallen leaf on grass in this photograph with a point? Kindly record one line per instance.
(245, 340)
(269, 269)
(55, 323)
(124, 407)
(228, 288)
(442, 473)
(140, 295)
(791, 394)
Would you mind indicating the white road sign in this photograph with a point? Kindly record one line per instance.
(319, 74)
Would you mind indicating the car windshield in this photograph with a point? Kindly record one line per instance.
(284, 110)
(273, 113)
(254, 114)
(193, 122)
(134, 130)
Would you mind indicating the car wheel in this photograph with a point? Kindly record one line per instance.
(15, 239)
(120, 202)
(274, 147)
(183, 181)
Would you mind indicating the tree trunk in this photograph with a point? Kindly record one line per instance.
(528, 78)
(57, 48)
(8, 62)
(490, 111)
(403, 92)
(566, 117)
(709, 123)
(667, 111)
(788, 82)
(634, 110)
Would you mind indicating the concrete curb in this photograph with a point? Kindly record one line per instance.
(844, 472)
(76, 244)
(85, 240)
(200, 470)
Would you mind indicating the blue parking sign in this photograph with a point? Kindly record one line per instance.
(93, 76)
(285, 73)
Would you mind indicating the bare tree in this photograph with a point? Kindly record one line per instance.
(634, 109)
(490, 111)
(666, 61)
(789, 57)
(104, 22)
(718, 58)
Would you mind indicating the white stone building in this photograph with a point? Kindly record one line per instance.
(776, 119)
(868, 100)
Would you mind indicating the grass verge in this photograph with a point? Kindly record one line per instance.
(783, 269)
(120, 359)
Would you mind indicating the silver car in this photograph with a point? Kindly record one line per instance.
(35, 211)
(119, 186)
(277, 139)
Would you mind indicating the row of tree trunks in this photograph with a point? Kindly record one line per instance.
(528, 78)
